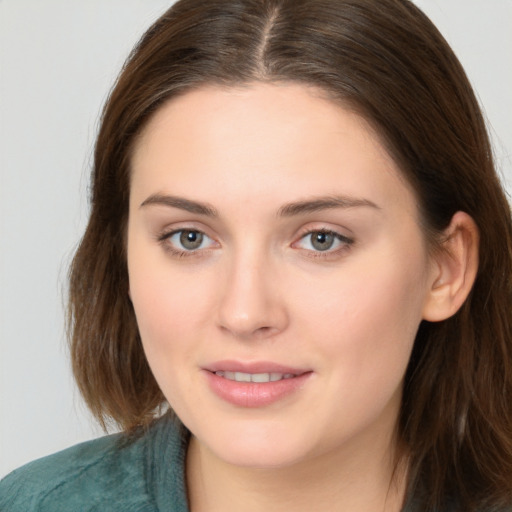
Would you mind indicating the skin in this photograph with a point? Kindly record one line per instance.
(256, 289)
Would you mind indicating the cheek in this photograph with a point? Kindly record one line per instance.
(363, 330)
(160, 311)
(168, 304)
(168, 313)
(168, 325)
(366, 317)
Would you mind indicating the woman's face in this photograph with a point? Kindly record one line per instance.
(277, 271)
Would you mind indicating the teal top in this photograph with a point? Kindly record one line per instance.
(145, 473)
(110, 474)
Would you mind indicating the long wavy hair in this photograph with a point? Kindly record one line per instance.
(386, 60)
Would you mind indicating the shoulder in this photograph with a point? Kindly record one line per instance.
(97, 470)
(112, 473)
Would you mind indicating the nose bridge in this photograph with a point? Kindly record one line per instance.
(251, 303)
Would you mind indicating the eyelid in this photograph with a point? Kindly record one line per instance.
(163, 231)
(164, 238)
(323, 227)
(338, 236)
(344, 242)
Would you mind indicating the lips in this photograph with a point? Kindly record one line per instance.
(256, 384)
(253, 367)
(255, 377)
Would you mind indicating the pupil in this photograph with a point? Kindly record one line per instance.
(322, 241)
(191, 239)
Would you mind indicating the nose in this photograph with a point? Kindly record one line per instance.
(252, 302)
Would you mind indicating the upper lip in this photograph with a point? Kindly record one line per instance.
(253, 367)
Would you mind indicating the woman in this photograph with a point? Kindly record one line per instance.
(299, 244)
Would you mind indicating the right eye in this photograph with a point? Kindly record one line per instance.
(324, 241)
(187, 240)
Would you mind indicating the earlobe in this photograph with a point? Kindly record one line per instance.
(454, 269)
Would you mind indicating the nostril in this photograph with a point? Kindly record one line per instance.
(248, 334)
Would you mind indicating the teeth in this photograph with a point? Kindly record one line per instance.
(242, 377)
(254, 377)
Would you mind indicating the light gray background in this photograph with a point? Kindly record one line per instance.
(58, 59)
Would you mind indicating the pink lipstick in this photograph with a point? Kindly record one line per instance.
(254, 384)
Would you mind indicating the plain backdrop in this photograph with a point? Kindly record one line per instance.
(58, 59)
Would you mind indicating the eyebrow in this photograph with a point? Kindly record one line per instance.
(182, 204)
(324, 203)
(289, 210)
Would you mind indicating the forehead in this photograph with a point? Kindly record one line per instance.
(263, 139)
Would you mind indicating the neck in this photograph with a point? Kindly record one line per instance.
(354, 478)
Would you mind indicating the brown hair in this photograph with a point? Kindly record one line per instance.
(386, 60)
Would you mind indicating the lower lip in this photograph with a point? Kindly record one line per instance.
(254, 394)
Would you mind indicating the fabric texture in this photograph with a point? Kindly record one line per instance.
(145, 473)
(110, 474)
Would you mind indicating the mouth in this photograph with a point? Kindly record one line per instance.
(254, 385)
(254, 377)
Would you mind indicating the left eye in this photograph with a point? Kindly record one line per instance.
(189, 240)
(322, 241)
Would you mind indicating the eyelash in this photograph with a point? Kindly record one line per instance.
(164, 240)
(346, 242)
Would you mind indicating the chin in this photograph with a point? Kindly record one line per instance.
(257, 446)
(258, 457)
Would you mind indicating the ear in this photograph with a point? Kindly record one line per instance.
(454, 269)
